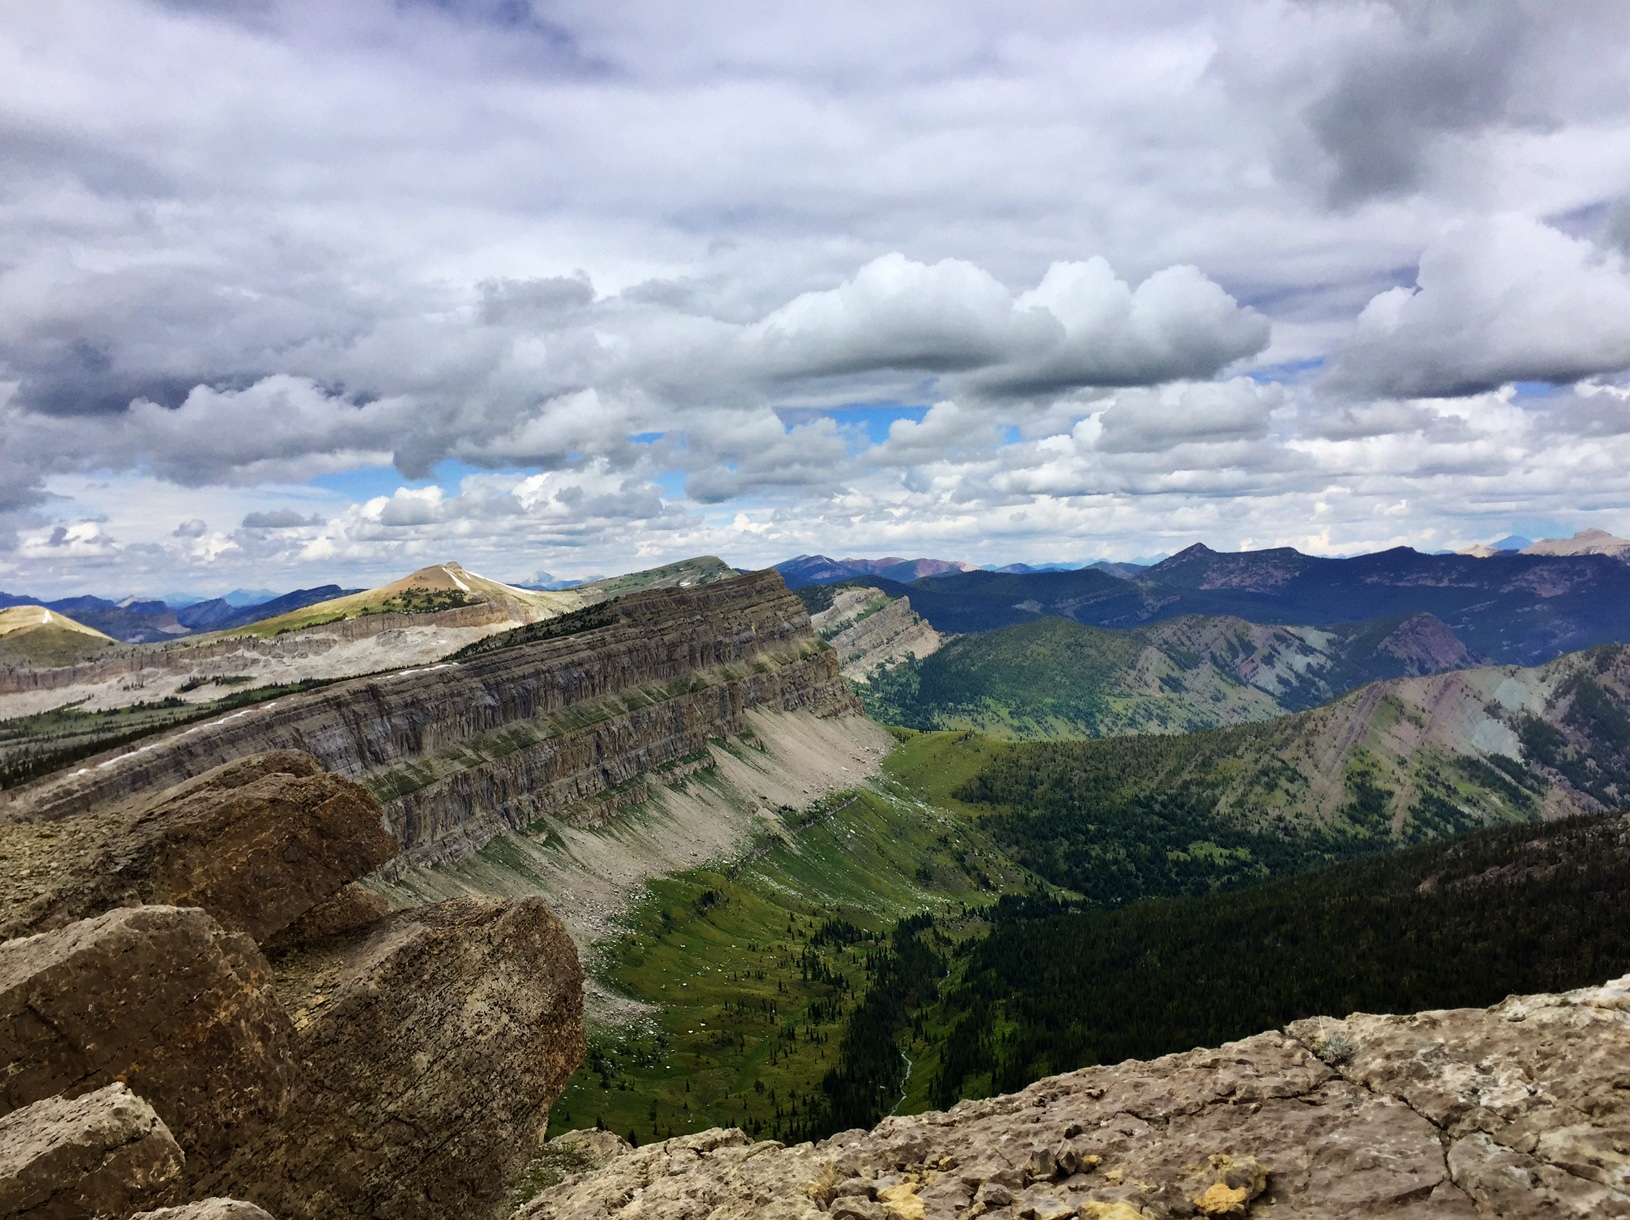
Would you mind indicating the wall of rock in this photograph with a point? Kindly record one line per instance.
(380, 1065)
(1517, 1111)
(461, 749)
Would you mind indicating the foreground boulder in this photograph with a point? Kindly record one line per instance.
(1520, 1110)
(430, 1053)
(160, 998)
(208, 1209)
(257, 843)
(102, 1154)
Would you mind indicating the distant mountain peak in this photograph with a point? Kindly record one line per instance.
(1585, 542)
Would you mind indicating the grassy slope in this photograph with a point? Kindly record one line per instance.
(33, 635)
(721, 958)
(435, 588)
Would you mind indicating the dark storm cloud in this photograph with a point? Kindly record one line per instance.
(1451, 71)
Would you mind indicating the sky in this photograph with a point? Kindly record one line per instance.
(300, 292)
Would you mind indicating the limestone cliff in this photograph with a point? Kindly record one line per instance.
(868, 628)
(519, 726)
(1514, 1111)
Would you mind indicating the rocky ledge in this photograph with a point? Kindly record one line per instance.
(1520, 1110)
(398, 1065)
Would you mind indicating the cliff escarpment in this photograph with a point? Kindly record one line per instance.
(519, 725)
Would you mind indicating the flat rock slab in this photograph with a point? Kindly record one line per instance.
(1515, 1111)
(102, 1154)
(257, 843)
(160, 998)
(208, 1209)
(1151, 1138)
(430, 1052)
(1533, 1094)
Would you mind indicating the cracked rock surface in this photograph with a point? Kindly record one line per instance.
(1520, 1110)
(159, 998)
(428, 1054)
(257, 843)
(101, 1154)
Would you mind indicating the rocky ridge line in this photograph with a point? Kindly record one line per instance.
(1514, 1111)
(467, 748)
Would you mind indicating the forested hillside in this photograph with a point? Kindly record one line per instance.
(1056, 678)
(1509, 910)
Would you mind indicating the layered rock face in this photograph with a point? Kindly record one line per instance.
(1514, 1111)
(399, 1065)
(257, 843)
(867, 628)
(530, 723)
(161, 999)
(103, 1154)
(429, 1055)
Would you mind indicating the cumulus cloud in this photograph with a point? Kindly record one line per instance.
(1154, 421)
(617, 249)
(1498, 300)
(1081, 326)
(273, 519)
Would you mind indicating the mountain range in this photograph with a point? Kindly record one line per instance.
(151, 621)
(1517, 608)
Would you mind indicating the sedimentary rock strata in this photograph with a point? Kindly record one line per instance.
(257, 843)
(429, 1054)
(1514, 1111)
(867, 628)
(160, 998)
(524, 728)
(105, 1153)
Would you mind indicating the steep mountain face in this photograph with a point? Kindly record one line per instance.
(1515, 608)
(1503, 1112)
(1396, 762)
(526, 724)
(1057, 678)
(867, 628)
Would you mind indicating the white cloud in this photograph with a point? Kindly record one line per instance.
(1155, 421)
(522, 245)
(1497, 300)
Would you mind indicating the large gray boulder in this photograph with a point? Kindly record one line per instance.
(160, 998)
(430, 1051)
(102, 1154)
(258, 843)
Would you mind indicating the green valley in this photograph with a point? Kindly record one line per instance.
(743, 979)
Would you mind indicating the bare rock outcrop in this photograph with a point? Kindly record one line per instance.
(160, 998)
(1515, 1111)
(101, 1154)
(257, 843)
(1530, 1095)
(208, 1209)
(430, 1053)
(867, 628)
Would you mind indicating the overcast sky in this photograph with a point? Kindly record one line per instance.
(298, 292)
